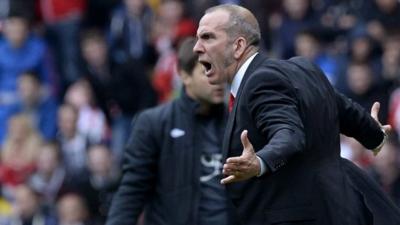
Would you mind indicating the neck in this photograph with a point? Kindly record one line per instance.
(30, 104)
(204, 108)
(251, 50)
(248, 52)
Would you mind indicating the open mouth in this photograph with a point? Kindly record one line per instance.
(207, 67)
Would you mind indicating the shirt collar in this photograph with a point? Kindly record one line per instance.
(237, 79)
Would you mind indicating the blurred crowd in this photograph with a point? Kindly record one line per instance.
(73, 74)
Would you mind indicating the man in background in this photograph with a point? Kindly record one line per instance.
(172, 165)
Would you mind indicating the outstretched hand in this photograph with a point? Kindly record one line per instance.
(242, 167)
(385, 128)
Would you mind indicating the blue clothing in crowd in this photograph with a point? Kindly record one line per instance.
(13, 62)
(31, 56)
(44, 117)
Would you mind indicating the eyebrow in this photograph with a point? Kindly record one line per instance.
(206, 33)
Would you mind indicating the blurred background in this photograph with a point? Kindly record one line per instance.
(73, 73)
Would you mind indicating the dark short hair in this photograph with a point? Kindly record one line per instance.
(23, 15)
(33, 75)
(92, 34)
(187, 59)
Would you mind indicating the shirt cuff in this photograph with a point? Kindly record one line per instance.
(262, 167)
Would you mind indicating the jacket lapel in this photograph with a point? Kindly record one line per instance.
(258, 59)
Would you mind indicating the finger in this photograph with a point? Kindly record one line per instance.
(228, 179)
(247, 146)
(229, 170)
(244, 139)
(235, 160)
(230, 166)
(375, 110)
(387, 128)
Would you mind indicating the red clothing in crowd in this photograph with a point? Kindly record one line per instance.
(53, 11)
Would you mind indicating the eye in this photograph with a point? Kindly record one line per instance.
(206, 36)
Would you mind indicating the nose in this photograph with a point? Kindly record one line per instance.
(198, 48)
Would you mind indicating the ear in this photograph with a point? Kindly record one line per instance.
(239, 47)
(185, 77)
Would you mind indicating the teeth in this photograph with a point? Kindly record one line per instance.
(207, 66)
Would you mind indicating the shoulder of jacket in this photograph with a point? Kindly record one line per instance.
(299, 60)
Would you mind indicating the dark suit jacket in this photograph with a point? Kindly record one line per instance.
(294, 117)
(161, 169)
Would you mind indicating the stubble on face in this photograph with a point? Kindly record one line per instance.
(229, 62)
(216, 50)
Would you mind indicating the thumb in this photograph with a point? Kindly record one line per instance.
(245, 141)
(375, 110)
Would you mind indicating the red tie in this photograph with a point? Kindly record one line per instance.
(231, 102)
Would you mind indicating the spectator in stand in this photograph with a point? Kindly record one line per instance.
(381, 16)
(359, 80)
(170, 27)
(129, 32)
(49, 179)
(34, 102)
(102, 183)
(362, 50)
(73, 143)
(134, 94)
(92, 121)
(72, 210)
(296, 16)
(343, 15)
(309, 46)
(27, 208)
(62, 20)
(20, 51)
(365, 90)
(19, 153)
(390, 61)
